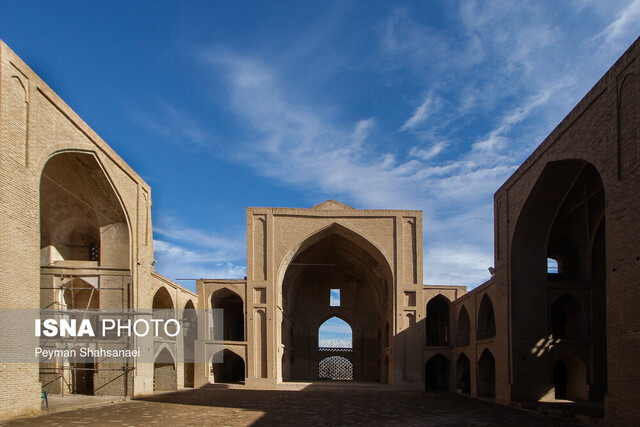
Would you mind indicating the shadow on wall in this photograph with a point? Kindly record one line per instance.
(559, 316)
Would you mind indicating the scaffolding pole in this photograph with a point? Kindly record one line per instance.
(64, 310)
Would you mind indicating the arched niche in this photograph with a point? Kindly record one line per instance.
(563, 219)
(570, 378)
(163, 308)
(566, 318)
(162, 299)
(436, 373)
(486, 375)
(231, 370)
(335, 258)
(463, 374)
(437, 321)
(81, 216)
(486, 319)
(164, 372)
(232, 308)
(463, 331)
(189, 336)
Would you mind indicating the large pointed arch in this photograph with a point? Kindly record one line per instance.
(339, 229)
(563, 218)
(81, 212)
(341, 259)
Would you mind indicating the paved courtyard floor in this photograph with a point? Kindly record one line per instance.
(241, 407)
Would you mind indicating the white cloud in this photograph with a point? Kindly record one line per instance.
(304, 148)
(172, 124)
(404, 40)
(428, 153)
(188, 253)
(362, 131)
(219, 248)
(505, 71)
(335, 327)
(178, 262)
(421, 113)
(625, 24)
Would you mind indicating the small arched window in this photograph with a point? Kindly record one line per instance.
(335, 333)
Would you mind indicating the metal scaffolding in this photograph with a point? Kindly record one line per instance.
(74, 371)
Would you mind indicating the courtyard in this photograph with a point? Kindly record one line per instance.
(313, 406)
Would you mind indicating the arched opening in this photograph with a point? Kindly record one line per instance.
(438, 321)
(486, 375)
(570, 378)
(463, 333)
(84, 252)
(162, 305)
(231, 370)
(563, 219)
(463, 374)
(82, 374)
(335, 368)
(553, 266)
(81, 218)
(189, 336)
(233, 314)
(436, 374)
(335, 333)
(565, 318)
(486, 319)
(335, 259)
(162, 300)
(164, 372)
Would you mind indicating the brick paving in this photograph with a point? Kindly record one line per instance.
(241, 407)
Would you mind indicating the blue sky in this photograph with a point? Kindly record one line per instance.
(413, 105)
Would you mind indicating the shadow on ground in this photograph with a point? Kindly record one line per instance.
(311, 407)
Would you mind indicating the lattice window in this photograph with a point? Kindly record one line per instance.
(335, 368)
(336, 349)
